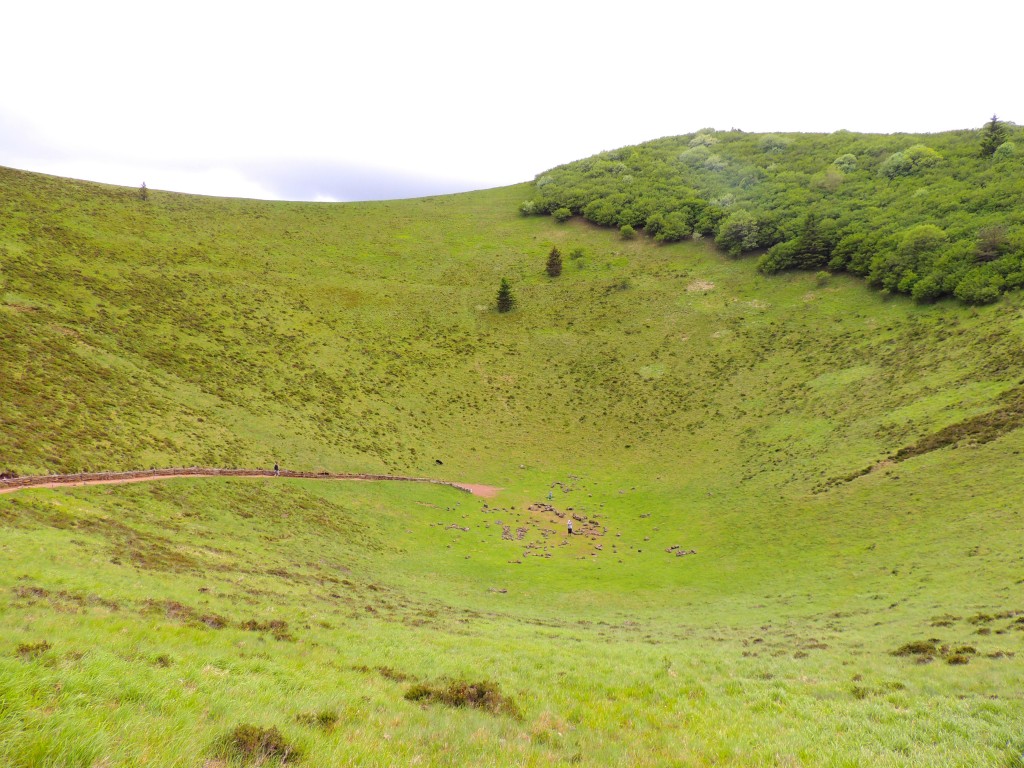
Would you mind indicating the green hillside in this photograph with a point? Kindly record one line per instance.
(929, 215)
(843, 464)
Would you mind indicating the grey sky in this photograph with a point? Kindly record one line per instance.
(308, 100)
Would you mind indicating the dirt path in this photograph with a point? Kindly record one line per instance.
(118, 478)
(483, 491)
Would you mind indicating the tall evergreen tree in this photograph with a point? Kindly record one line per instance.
(811, 243)
(992, 135)
(506, 301)
(554, 266)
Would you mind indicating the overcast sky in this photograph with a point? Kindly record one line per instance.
(359, 101)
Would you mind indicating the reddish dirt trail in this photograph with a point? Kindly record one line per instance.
(120, 478)
(483, 491)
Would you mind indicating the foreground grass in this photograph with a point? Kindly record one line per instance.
(843, 464)
(176, 612)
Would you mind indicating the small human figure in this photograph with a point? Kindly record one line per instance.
(277, 470)
(570, 526)
(550, 496)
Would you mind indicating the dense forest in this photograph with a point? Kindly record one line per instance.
(930, 215)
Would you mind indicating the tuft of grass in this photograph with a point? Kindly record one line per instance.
(325, 719)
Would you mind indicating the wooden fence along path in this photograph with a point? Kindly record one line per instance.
(8, 485)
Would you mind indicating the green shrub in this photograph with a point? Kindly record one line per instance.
(928, 288)
(846, 163)
(674, 227)
(627, 232)
(738, 233)
(778, 258)
(1005, 151)
(980, 286)
(704, 138)
(770, 143)
(909, 161)
(561, 215)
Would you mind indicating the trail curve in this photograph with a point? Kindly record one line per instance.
(9, 485)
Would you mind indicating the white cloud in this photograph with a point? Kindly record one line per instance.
(488, 93)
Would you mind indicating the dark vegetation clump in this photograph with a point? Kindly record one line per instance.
(276, 627)
(975, 430)
(257, 745)
(918, 648)
(184, 614)
(483, 695)
(33, 650)
(389, 673)
(980, 429)
(862, 692)
(927, 650)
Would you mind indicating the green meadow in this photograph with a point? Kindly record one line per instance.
(798, 530)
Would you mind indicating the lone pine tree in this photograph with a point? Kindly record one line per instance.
(506, 301)
(992, 135)
(554, 266)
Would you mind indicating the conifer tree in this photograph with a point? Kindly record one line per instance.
(506, 301)
(992, 135)
(554, 266)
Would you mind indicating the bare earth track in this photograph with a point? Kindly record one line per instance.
(9, 485)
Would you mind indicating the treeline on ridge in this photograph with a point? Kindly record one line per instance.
(930, 215)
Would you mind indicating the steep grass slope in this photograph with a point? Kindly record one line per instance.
(844, 466)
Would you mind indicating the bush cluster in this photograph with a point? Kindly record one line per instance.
(927, 215)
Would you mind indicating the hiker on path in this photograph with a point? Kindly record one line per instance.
(277, 470)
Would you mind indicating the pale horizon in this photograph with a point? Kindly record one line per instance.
(401, 100)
